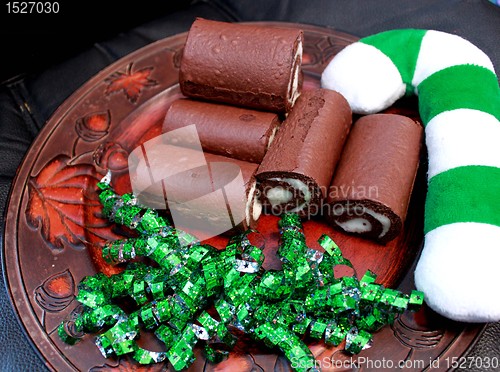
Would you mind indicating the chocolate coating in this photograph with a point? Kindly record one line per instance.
(235, 132)
(376, 171)
(245, 65)
(200, 185)
(307, 147)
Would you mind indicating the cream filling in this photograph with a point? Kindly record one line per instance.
(356, 225)
(253, 204)
(293, 85)
(362, 225)
(278, 195)
(384, 221)
(271, 137)
(278, 191)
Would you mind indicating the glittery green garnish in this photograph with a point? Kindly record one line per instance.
(195, 294)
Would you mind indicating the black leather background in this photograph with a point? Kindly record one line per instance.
(43, 92)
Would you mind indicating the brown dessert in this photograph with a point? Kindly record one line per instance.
(297, 169)
(241, 64)
(371, 188)
(235, 132)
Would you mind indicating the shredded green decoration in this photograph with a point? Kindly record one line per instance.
(198, 294)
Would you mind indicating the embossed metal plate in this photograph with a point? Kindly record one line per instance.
(52, 234)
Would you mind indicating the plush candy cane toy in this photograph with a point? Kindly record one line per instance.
(459, 103)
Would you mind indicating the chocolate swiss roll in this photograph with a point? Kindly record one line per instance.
(297, 169)
(200, 191)
(246, 65)
(235, 132)
(371, 188)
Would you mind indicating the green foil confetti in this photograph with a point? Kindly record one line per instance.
(194, 294)
(215, 356)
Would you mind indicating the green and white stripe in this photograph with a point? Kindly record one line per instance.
(459, 103)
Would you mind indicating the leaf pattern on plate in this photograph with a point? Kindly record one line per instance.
(127, 364)
(94, 126)
(59, 197)
(130, 83)
(69, 323)
(416, 336)
(56, 292)
(111, 155)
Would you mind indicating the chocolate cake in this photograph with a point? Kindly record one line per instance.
(197, 189)
(235, 132)
(242, 64)
(297, 169)
(371, 188)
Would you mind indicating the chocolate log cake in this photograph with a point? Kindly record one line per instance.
(371, 188)
(297, 169)
(235, 132)
(241, 64)
(198, 189)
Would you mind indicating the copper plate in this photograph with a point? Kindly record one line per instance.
(51, 230)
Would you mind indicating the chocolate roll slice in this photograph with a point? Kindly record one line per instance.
(297, 169)
(246, 65)
(201, 191)
(235, 132)
(371, 188)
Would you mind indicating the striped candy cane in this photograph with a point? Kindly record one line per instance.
(459, 103)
